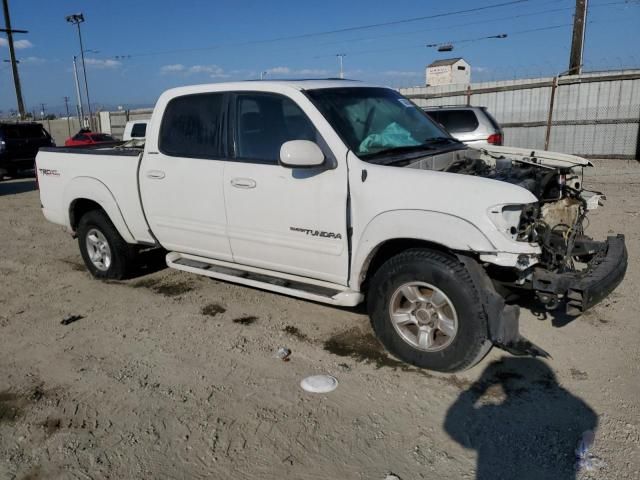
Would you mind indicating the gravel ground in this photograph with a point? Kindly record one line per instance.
(171, 375)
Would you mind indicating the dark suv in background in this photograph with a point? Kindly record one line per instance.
(19, 144)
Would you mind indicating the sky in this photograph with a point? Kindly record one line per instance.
(134, 50)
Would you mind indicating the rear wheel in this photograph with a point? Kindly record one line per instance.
(103, 250)
(426, 310)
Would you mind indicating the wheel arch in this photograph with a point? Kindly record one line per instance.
(84, 194)
(390, 233)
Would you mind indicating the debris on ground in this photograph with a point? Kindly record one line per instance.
(71, 319)
(319, 384)
(586, 461)
(283, 353)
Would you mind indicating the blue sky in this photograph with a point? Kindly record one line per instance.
(167, 43)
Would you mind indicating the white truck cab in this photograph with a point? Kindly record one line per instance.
(341, 192)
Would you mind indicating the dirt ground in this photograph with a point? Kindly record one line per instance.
(171, 375)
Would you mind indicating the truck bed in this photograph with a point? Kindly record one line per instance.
(99, 174)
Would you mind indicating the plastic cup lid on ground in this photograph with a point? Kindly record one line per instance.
(319, 383)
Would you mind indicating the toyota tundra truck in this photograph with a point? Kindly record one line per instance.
(340, 192)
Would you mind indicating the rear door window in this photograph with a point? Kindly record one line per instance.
(456, 121)
(192, 126)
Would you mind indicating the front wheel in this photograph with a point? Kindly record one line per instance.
(427, 311)
(103, 250)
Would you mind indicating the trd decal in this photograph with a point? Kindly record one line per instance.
(316, 233)
(46, 171)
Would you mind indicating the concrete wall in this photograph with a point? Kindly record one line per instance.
(59, 128)
(595, 115)
(120, 118)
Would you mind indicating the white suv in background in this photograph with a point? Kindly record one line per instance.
(471, 125)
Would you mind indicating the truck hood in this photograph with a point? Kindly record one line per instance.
(552, 159)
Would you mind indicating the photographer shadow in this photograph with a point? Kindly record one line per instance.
(520, 421)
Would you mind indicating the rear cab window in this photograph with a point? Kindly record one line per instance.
(139, 130)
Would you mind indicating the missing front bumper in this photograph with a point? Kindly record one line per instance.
(582, 290)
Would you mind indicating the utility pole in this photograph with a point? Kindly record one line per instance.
(12, 55)
(577, 39)
(78, 94)
(43, 112)
(340, 57)
(77, 19)
(66, 106)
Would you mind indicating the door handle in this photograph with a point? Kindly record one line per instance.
(155, 174)
(243, 182)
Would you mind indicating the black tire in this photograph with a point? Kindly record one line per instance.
(122, 254)
(469, 344)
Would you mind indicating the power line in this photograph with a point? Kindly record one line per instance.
(476, 22)
(466, 24)
(362, 52)
(330, 32)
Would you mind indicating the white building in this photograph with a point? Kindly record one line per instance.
(447, 72)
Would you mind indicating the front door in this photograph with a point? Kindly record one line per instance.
(283, 219)
(181, 183)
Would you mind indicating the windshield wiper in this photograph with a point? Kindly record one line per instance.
(402, 149)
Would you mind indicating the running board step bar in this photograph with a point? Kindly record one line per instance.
(317, 291)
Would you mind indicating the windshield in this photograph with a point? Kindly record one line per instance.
(375, 122)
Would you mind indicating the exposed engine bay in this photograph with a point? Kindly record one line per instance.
(556, 222)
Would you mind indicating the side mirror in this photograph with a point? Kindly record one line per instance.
(301, 154)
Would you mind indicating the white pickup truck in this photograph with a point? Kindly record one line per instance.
(336, 191)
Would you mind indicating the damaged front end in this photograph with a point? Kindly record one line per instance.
(547, 251)
(573, 269)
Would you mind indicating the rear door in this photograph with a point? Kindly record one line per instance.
(283, 219)
(181, 177)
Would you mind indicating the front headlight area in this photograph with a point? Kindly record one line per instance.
(511, 220)
(506, 218)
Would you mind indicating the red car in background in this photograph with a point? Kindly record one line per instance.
(87, 138)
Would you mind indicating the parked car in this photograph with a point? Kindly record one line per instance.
(135, 130)
(19, 144)
(336, 191)
(471, 125)
(87, 138)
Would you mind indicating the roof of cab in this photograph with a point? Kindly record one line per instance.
(264, 85)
